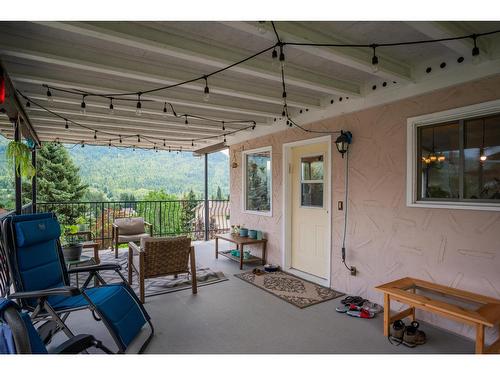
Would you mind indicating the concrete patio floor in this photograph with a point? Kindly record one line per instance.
(236, 317)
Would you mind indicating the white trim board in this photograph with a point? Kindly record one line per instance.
(413, 123)
(286, 230)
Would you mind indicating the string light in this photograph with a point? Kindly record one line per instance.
(49, 95)
(169, 149)
(133, 148)
(206, 92)
(66, 125)
(475, 50)
(138, 110)
(374, 59)
(111, 107)
(95, 135)
(83, 106)
(224, 138)
(192, 143)
(223, 126)
(28, 105)
(282, 56)
(165, 109)
(186, 121)
(120, 138)
(109, 144)
(138, 138)
(164, 143)
(83, 144)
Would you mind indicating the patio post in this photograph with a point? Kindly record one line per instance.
(33, 182)
(207, 211)
(17, 176)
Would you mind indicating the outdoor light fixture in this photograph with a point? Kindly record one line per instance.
(49, 95)
(482, 155)
(343, 141)
(475, 51)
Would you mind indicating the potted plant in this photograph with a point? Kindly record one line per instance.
(71, 248)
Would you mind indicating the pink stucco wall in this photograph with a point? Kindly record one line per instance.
(386, 239)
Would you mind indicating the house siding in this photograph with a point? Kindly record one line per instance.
(387, 240)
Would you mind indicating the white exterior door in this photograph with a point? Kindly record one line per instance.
(309, 224)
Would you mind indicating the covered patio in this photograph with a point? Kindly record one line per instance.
(362, 152)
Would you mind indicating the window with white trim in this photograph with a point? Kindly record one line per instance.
(257, 181)
(457, 162)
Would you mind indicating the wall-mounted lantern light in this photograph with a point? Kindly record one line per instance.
(343, 141)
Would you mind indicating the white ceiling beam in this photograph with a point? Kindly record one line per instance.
(193, 123)
(35, 80)
(118, 129)
(440, 30)
(355, 58)
(203, 53)
(99, 67)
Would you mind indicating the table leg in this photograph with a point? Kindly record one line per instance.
(264, 248)
(479, 339)
(241, 256)
(216, 248)
(96, 254)
(387, 314)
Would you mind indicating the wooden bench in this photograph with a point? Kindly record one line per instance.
(405, 291)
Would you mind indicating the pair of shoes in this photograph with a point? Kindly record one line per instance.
(258, 271)
(355, 311)
(409, 336)
(372, 307)
(354, 300)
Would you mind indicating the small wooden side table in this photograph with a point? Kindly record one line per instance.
(95, 246)
(240, 242)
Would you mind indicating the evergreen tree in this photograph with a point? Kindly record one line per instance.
(58, 180)
(219, 193)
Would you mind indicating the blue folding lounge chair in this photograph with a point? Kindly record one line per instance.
(19, 336)
(42, 287)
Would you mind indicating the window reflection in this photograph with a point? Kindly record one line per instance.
(258, 181)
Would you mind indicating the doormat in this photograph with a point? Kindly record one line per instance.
(293, 289)
(156, 286)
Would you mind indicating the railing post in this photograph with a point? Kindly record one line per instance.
(33, 182)
(207, 209)
(17, 176)
(102, 224)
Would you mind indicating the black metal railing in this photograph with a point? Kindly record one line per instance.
(168, 218)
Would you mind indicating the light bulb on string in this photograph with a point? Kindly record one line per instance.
(206, 91)
(28, 106)
(111, 107)
(133, 148)
(375, 66)
(120, 138)
(274, 56)
(482, 155)
(261, 27)
(186, 121)
(95, 135)
(138, 138)
(109, 144)
(49, 95)
(476, 59)
(138, 107)
(282, 56)
(66, 125)
(224, 138)
(83, 106)
(192, 143)
(83, 144)
(165, 109)
(223, 126)
(164, 145)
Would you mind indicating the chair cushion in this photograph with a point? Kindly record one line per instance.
(133, 238)
(130, 225)
(116, 303)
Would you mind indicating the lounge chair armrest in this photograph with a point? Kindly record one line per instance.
(77, 344)
(60, 291)
(134, 247)
(97, 267)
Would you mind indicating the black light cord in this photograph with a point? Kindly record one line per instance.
(346, 205)
(281, 44)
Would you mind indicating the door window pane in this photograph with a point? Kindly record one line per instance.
(312, 194)
(311, 184)
(258, 181)
(439, 161)
(482, 158)
(312, 168)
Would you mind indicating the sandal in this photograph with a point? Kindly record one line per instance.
(346, 308)
(372, 307)
(356, 300)
(361, 313)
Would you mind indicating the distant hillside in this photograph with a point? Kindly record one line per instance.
(124, 170)
(111, 172)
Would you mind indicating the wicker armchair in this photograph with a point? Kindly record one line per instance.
(161, 256)
(130, 229)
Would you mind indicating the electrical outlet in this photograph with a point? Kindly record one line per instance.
(340, 205)
(354, 271)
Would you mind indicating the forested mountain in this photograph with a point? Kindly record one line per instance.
(112, 173)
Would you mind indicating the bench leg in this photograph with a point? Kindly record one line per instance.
(387, 314)
(216, 248)
(479, 339)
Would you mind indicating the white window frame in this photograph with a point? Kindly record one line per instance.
(413, 123)
(244, 181)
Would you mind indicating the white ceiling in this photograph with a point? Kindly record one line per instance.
(105, 57)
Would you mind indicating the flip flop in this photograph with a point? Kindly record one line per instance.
(346, 308)
(356, 300)
(362, 313)
(372, 307)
